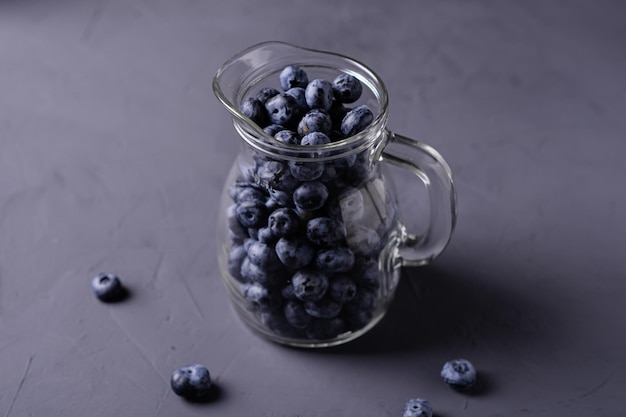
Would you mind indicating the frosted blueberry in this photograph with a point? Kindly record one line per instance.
(310, 196)
(261, 297)
(263, 256)
(356, 120)
(316, 120)
(282, 109)
(315, 139)
(107, 287)
(309, 284)
(342, 289)
(296, 315)
(417, 407)
(283, 222)
(251, 213)
(306, 171)
(325, 308)
(347, 88)
(293, 76)
(340, 259)
(265, 94)
(235, 259)
(191, 382)
(459, 374)
(255, 110)
(288, 136)
(294, 253)
(325, 231)
(319, 94)
(273, 129)
(300, 95)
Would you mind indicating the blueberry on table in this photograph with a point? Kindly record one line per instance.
(191, 382)
(417, 407)
(347, 88)
(459, 374)
(282, 109)
(319, 94)
(107, 287)
(356, 120)
(293, 76)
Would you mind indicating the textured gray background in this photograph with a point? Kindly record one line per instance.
(113, 150)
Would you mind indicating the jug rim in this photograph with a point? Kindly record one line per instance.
(254, 134)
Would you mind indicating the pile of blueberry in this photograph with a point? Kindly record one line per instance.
(305, 265)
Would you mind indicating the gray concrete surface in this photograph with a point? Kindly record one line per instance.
(113, 150)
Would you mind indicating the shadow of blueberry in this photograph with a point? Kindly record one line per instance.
(215, 394)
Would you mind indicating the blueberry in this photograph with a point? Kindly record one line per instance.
(275, 175)
(265, 235)
(283, 222)
(251, 213)
(352, 204)
(459, 374)
(107, 287)
(315, 139)
(319, 94)
(306, 171)
(264, 256)
(417, 407)
(235, 259)
(282, 109)
(296, 315)
(325, 231)
(287, 292)
(255, 110)
(261, 297)
(294, 253)
(340, 259)
(347, 88)
(191, 382)
(360, 310)
(277, 323)
(293, 76)
(288, 136)
(356, 120)
(249, 194)
(325, 308)
(309, 284)
(300, 95)
(323, 329)
(278, 199)
(363, 240)
(273, 129)
(237, 232)
(342, 289)
(310, 196)
(365, 272)
(265, 94)
(316, 120)
(252, 273)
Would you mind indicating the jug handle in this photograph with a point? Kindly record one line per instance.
(435, 174)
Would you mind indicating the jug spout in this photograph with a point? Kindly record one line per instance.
(260, 65)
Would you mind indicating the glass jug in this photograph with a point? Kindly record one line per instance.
(313, 260)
